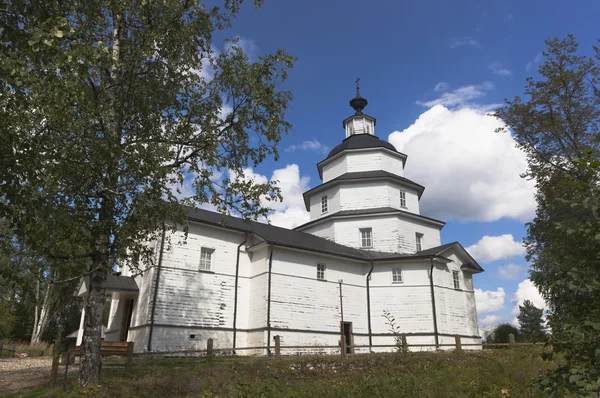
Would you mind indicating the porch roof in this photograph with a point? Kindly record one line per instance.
(113, 283)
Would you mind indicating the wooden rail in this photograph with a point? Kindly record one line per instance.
(210, 351)
(125, 349)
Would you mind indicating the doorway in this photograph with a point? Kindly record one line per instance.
(349, 337)
(126, 319)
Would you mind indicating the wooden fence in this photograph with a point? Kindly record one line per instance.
(7, 352)
(277, 347)
(210, 351)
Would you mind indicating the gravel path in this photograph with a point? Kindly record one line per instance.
(17, 374)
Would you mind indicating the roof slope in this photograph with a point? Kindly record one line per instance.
(361, 141)
(373, 211)
(276, 235)
(438, 250)
(305, 241)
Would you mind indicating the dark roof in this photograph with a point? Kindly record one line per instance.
(363, 175)
(114, 283)
(438, 250)
(374, 211)
(361, 141)
(302, 240)
(276, 235)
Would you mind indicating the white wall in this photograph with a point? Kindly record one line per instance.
(363, 195)
(390, 233)
(324, 230)
(385, 232)
(333, 202)
(363, 160)
(407, 230)
(408, 302)
(393, 195)
(304, 310)
(300, 301)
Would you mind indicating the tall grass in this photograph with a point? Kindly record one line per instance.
(489, 373)
(23, 347)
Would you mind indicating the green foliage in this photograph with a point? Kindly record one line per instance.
(394, 328)
(530, 319)
(106, 108)
(7, 314)
(475, 374)
(501, 333)
(558, 127)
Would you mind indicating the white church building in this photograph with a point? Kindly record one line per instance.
(241, 283)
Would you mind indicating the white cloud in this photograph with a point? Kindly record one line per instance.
(510, 271)
(538, 58)
(441, 86)
(461, 96)
(492, 248)
(463, 41)
(310, 145)
(527, 291)
(290, 212)
(248, 46)
(490, 320)
(489, 300)
(471, 173)
(498, 69)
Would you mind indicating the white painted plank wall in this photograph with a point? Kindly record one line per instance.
(364, 160)
(385, 232)
(333, 203)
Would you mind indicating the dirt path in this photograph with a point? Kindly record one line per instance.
(18, 374)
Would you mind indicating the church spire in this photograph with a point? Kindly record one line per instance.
(359, 123)
(358, 103)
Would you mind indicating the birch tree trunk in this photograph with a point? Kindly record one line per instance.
(91, 361)
(36, 308)
(44, 315)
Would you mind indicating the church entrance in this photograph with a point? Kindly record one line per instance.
(126, 321)
(349, 337)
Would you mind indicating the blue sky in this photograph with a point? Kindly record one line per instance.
(430, 70)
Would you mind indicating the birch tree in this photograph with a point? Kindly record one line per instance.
(106, 107)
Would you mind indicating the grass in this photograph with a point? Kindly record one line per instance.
(36, 350)
(489, 373)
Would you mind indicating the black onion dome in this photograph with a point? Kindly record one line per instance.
(361, 141)
(358, 103)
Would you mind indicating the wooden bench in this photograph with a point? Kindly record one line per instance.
(111, 348)
(107, 349)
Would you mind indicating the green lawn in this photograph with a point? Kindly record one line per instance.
(489, 373)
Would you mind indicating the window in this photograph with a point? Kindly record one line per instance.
(397, 275)
(455, 279)
(403, 199)
(366, 237)
(206, 257)
(419, 238)
(321, 271)
(323, 204)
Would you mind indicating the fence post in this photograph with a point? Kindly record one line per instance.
(277, 347)
(67, 364)
(209, 349)
(511, 339)
(55, 359)
(458, 344)
(129, 358)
